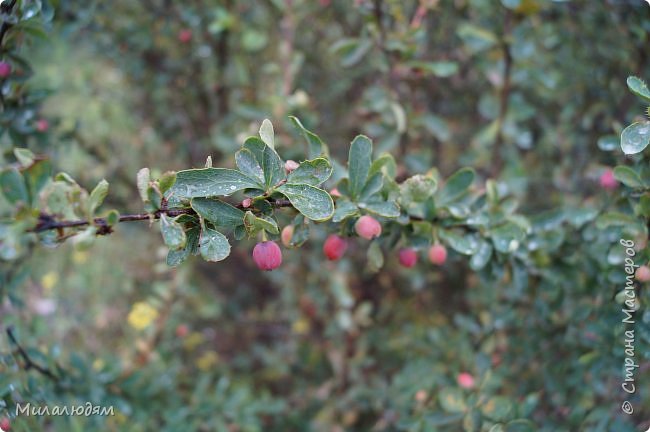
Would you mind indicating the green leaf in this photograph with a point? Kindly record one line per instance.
(635, 138)
(344, 209)
(440, 69)
(24, 156)
(628, 177)
(172, 232)
(608, 142)
(267, 134)
(611, 219)
(166, 181)
(214, 246)
(273, 168)
(249, 165)
(218, 212)
(388, 209)
(462, 243)
(482, 256)
(37, 176)
(142, 180)
(315, 144)
(384, 164)
(255, 146)
(207, 182)
(175, 258)
(520, 425)
(418, 188)
(256, 224)
(456, 186)
(372, 187)
(312, 172)
(507, 237)
(13, 186)
(312, 202)
(638, 87)
(359, 161)
(113, 218)
(375, 257)
(97, 197)
(498, 408)
(452, 400)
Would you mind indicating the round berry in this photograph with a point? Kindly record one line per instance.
(367, 227)
(607, 180)
(287, 235)
(437, 254)
(465, 380)
(42, 125)
(291, 165)
(335, 192)
(335, 247)
(408, 257)
(267, 255)
(5, 424)
(185, 35)
(643, 273)
(182, 330)
(246, 202)
(5, 69)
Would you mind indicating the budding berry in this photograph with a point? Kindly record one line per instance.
(287, 234)
(5, 69)
(367, 227)
(421, 396)
(643, 273)
(42, 125)
(607, 180)
(408, 257)
(465, 380)
(290, 165)
(335, 192)
(334, 247)
(246, 203)
(5, 424)
(185, 35)
(438, 254)
(267, 255)
(182, 330)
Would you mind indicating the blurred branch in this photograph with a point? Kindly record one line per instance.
(29, 363)
(6, 9)
(504, 95)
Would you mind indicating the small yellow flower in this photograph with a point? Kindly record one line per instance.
(49, 280)
(300, 326)
(207, 360)
(142, 315)
(79, 257)
(193, 340)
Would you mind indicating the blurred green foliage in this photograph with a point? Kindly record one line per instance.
(531, 94)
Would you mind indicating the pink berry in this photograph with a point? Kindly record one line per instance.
(408, 257)
(465, 380)
(42, 125)
(5, 424)
(185, 35)
(335, 192)
(291, 165)
(5, 69)
(607, 180)
(267, 255)
(246, 203)
(438, 254)
(182, 330)
(287, 234)
(334, 247)
(643, 273)
(367, 227)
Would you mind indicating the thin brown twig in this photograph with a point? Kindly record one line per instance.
(29, 363)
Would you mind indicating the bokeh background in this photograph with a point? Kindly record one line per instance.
(528, 91)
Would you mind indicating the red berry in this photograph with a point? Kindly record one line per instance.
(607, 180)
(5, 424)
(643, 274)
(465, 380)
(267, 255)
(287, 234)
(334, 247)
(182, 330)
(42, 125)
(408, 257)
(5, 69)
(438, 254)
(335, 192)
(368, 227)
(185, 35)
(291, 165)
(246, 203)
